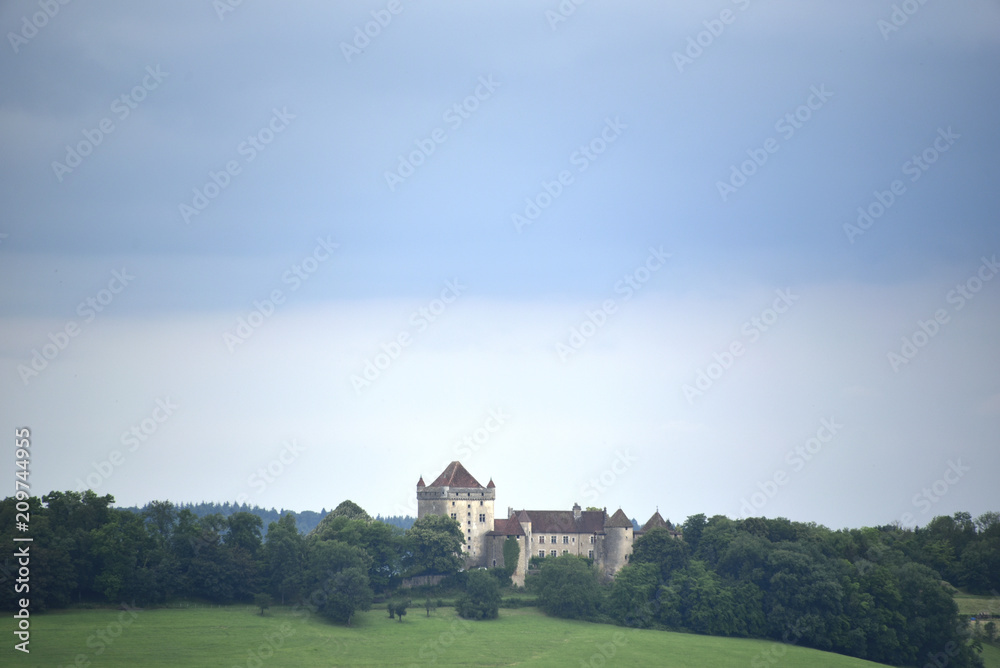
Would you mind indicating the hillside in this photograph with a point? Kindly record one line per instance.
(236, 635)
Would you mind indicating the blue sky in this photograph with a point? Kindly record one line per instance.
(646, 338)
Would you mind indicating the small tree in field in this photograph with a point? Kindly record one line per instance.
(429, 605)
(262, 601)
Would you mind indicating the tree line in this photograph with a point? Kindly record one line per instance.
(884, 594)
(879, 593)
(85, 551)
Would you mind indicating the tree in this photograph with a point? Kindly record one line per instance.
(400, 607)
(262, 601)
(429, 605)
(511, 554)
(351, 511)
(481, 599)
(632, 598)
(124, 548)
(349, 593)
(432, 546)
(692, 528)
(284, 558)
(662, 549)
(567, 586)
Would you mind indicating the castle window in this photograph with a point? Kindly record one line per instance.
(468, 514)
(468, 505)
(453, 516)
(541, 539)
(480, 503)
(553, 540)
(541, 553)
(482, 517)
(565, 551)
(553, 553)
(469, 523)
(494, 563)
(565, 540)
(590, 554)
(452, 503)
(591, 539)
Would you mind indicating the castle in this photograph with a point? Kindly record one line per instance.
(544, 533)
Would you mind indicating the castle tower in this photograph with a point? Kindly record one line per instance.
(617, 542)
(456, 494)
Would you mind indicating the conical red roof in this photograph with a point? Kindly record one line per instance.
(455, 475)
(619, 520)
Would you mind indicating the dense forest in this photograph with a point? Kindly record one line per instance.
(881, 593)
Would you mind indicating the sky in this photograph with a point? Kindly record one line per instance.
(726, 257)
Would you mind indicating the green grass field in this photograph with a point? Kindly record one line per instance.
(237, 636)
(970, 604)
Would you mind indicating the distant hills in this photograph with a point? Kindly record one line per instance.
(305, 520)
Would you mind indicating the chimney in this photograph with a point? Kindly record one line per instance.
(576, 511)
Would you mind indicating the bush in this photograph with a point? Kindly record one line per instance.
(568, 587)
(482, 597)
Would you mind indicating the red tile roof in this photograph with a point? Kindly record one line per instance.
(507, 527)
(455, 475)
(490, 484)
(656, 522)
(618, 520)
(562, 521)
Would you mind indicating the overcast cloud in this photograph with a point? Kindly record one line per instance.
(614, 257)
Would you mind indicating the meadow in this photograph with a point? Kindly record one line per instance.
(236, 635)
